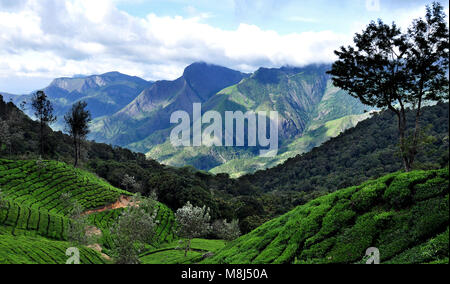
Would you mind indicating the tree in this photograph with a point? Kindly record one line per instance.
(43, 110)
(392, 70)
(427, 63)
(5, 136)
(77, 125)
(76, 231)
(130, 184)
(135, 227)
(193, 222)
(226, 231)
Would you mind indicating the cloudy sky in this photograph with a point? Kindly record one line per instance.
(155, 39)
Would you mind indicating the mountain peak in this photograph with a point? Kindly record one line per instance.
(208, 79)
(199, 67)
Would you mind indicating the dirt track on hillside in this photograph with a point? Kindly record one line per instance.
(123, 202)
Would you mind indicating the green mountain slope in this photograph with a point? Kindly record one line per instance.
(305, 100)
(151, 110)
(367, 151)
(34, 219)
(364, 152)
(404, 215)
(315, 135)
(133, 113)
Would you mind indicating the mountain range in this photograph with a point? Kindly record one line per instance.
(134, 113)
(105, 94)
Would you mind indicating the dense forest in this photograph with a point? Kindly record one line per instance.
(366, 151)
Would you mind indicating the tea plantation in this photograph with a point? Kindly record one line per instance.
(404, 215)
(164, 232)
(34, 217)
(36, 250)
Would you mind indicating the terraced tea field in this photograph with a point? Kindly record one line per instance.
(36, 250)
(34, 218)
(33, 192)
(164, 232)
(404, 215)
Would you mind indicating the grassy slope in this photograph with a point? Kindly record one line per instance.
(34, 220)
(172, 254)
(37, 250)
(404, 215)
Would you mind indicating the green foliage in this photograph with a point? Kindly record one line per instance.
(346, 160)
(341, 226)
(368, 196)
(171, 253)
(77, 125)
(36, 250)
(226, 231)
(133, 229)
(399, 193)
(365, 152)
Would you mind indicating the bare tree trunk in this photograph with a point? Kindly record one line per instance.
(75, 151)
(413, 151)
(401, 130)
(41, 139)
(79, 148)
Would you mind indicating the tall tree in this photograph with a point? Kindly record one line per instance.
(43, 110)
(427, 63)
(77, 125)
(392, 70)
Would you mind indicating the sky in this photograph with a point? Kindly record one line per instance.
(156, 39)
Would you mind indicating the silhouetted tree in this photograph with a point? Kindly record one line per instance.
(390, 69)
(43, 110)
(77, 125)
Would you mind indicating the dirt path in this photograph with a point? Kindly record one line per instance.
(123, 202)
(99, 249)
(94, 231)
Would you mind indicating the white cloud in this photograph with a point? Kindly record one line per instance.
(52, 38)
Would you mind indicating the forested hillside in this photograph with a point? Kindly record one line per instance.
(369, 150)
